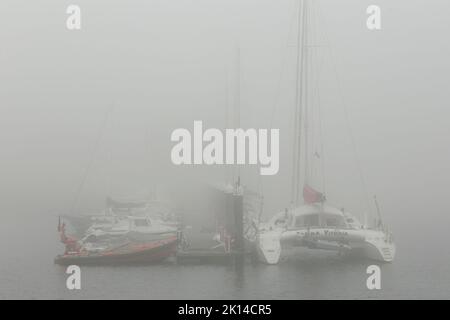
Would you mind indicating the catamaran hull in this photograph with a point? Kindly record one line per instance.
(384, 252)
(368, 244)
(132, 254)
(269, 247)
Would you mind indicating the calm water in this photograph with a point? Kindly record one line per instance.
(27, 272)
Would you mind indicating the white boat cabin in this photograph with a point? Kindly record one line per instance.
(315, 216)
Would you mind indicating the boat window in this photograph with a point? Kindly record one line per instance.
(141, 223)
(311, 220)
(299, 222)
(332, 222)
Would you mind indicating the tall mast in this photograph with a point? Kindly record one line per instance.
(228, 170)
(305, 101)
(237, 116)
(237, 107)
(299, 94)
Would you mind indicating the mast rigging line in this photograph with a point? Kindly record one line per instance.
(345, 109)
(91, 160)
(283, 68)
(282, 71)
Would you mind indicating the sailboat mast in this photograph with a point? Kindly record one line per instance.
(228, 170)
(299, 93)
(237, 118)
(305, 93)
(296, 107)
(237, 106)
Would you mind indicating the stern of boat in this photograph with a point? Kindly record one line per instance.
(380, 247)
(269, 247)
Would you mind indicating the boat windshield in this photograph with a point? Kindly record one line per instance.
(319, 220)
(141, 223)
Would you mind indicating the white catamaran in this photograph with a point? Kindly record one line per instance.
(312, 223)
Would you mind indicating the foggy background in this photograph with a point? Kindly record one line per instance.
(149, 67)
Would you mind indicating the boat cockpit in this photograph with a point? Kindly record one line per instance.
(320, 220)
(319, 216)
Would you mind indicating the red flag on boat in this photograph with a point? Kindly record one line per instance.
(311, 195)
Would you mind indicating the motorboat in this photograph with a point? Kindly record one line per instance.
(116, 240)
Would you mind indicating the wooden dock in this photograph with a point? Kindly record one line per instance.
(216, 228)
